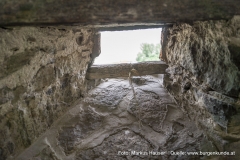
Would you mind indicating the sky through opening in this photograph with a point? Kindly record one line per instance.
(123, 46)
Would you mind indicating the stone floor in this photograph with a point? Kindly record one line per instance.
(114, 123)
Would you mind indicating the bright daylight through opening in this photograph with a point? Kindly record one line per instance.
(129, 46)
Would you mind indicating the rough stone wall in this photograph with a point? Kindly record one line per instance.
(204, 76)
(42, 72)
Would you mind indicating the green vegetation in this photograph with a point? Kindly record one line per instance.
(149, 52)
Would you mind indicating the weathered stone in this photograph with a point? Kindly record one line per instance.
(235, 54)
(69, 136)
(204, 76)
(43, 72)
(147, 107)
(115, 145)
(90, 131)
(44, 77)
(6, 95)
(91, 12)
(203, 50)
(97, 45)
(17, 61)
(42, 82)
(221, 111)
(47, 154)
(107, 94)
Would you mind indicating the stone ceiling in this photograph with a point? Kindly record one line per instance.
(102, 12)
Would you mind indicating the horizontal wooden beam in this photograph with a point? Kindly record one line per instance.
(123, 69)
(101, 12)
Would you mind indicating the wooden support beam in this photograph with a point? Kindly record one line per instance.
(122, 70)
(103, 12)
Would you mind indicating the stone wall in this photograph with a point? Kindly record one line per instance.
(204, 76)
(42, 84)
(42, 72)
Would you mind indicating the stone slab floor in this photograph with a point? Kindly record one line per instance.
(114, 123)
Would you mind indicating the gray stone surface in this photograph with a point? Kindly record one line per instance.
(42, 74)
(89, 131)
(42, 83)
(204, 76)
(70, 136)
(203, 50)
(108, 94)
(123, 140)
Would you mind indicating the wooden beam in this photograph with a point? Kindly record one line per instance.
(122, 70)
(102, 12)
